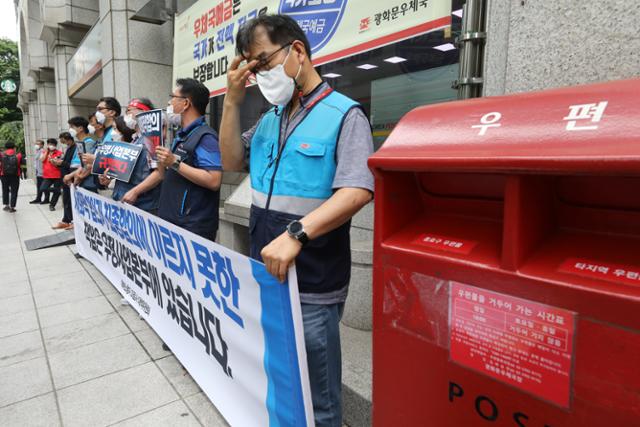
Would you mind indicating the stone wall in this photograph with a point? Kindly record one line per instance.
(137, 57)
(533, 45)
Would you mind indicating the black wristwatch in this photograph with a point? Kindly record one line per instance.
(176, 164)
(296, 230)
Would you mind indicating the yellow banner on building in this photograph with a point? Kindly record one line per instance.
(205, 33)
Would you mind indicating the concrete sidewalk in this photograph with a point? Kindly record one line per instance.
(70, 353)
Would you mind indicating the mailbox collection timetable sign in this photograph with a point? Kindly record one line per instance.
(523, 343)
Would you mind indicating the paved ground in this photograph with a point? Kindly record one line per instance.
(70, 353)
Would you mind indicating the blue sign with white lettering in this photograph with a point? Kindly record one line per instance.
(319, 19)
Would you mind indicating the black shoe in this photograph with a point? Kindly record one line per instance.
(166, 347)
(52, 208)
(12, 210)
(46, 202)
(34, 202)
(6, 208)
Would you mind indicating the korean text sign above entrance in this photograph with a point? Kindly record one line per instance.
(205, 33)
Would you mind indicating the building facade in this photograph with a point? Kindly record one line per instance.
(74, 52)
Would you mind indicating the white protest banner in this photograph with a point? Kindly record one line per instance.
(232, 325)
(204, 42)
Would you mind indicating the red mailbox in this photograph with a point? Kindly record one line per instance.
(507, 262)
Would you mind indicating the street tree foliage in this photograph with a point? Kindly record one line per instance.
(12, 131)
(10, 115)
(9, 69)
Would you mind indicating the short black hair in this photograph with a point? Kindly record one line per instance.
(9, 144)
(125, 131)
(281, 30)
(40, 141)
(65, 135)
(52, 141)
(197, 93)
(79, 121)
(112, 104)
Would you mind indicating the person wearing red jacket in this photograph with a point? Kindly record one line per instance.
(51, 174)
(10, 161)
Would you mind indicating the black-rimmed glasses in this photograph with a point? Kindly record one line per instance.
(264, 60)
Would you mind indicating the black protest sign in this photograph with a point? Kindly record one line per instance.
(150, 128)
(116, 160)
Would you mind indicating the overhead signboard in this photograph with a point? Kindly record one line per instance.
(205, 33)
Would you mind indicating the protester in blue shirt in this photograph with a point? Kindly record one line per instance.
(79, 129)
(190, 193)
(106, 112)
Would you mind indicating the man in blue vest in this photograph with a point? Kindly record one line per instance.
(307, 159)
(79, 129)
(190, 193)
(107, 110)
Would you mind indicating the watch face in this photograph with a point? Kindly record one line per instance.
(295, 227)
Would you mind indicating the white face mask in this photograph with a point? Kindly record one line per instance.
(52, 147)
(130, 121)
(276, 86)
(73, 132)
(174, 119)
(37, 147)
(116, 136)
(92, 129)
(100, 117)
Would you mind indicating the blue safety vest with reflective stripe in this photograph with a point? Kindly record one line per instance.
(307, 166)
(290, 185)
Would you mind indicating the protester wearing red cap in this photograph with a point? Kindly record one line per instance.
(138, 105)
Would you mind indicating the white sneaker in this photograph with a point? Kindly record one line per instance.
(123, 301)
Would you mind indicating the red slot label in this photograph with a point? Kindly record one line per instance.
(522, 343)
(448, 244)
(617, 273)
